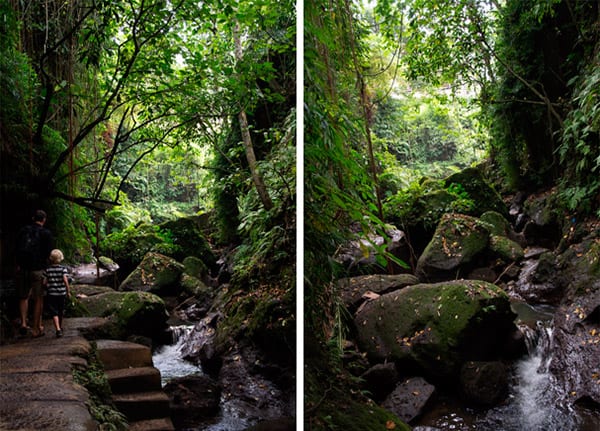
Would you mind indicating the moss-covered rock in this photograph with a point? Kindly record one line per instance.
(498, 225)
(195, 267)
(139, 313)
(457, 240)
(506, 249)
(188, 237)
(479, 190)
(434, 328)
(156, 273)
(353, 289)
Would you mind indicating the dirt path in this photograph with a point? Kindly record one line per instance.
(37, 391)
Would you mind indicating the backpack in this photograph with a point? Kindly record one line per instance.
(28, 247)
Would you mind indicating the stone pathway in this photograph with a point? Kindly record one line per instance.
(37, 391)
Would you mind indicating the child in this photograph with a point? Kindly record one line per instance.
(57, 289)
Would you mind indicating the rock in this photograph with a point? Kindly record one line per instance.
(193, 400)
(195, 267)
(479, 190)
(139, 313)
(156, 273)
(458, 239)
(498, 224)
(505, 248)
(435, 328)
(409, 398)
(361, 255)
(282, 424)
(543, 221)
(576, 336)
(188, 237)
(353, 289)
(380, 379)
(108, 264)
(484, 383)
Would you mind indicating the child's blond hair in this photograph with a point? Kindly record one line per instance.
(56, 256)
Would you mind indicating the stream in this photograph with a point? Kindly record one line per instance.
(169, 361)
(535, 401)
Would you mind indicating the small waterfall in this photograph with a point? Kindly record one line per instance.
(536, 402)
(168, 358)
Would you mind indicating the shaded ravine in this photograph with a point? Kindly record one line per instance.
(535, 402)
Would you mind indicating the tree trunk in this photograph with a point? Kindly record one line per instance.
(247, 139)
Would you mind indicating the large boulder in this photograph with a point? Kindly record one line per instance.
(188, 237)
(458, 239)
(419, 209)
(479, 190)
(139, 313)
(156, 273)
(484, 384)
(355, 290)
(435, 328)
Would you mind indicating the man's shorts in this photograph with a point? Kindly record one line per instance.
(30, 284)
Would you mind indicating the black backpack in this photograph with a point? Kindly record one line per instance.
(28, 247)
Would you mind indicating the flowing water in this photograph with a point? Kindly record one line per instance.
(535, 402)
(169, 361)
(168, 358)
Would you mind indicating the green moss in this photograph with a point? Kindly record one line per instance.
(498, 225)
(506, 249)
(100, 405)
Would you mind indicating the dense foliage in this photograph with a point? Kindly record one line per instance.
(115, 113)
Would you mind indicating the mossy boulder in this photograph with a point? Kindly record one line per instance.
(478, 190)
(435, 328)
(188, 237)
(506, 249)
(354, 289)
(195, 267)
(156, 273)
(498, 225)
(139, 313)
(178, 239)
(458, 239)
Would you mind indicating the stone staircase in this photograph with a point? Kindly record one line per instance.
(135, 384)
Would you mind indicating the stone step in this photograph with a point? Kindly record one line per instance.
(162, 424)
(115, 354)
(130, 380)
(143, 405)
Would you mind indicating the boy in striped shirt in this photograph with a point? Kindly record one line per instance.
(57, 289)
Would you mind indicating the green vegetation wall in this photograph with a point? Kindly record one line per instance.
(544, 49)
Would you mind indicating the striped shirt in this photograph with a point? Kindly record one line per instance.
(56, 285)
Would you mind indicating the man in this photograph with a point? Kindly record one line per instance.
(33, 249)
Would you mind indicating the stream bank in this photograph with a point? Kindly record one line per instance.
(500, 328)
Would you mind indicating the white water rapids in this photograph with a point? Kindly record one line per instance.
(168, 358)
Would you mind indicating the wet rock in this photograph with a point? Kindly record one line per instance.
(355, 290)
(283, 424)
(380, 379)
(537, 289)
(194, 399)
(484, 383)
(437, 327)
(577, 322)
(409, 399)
